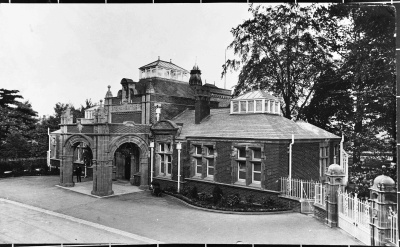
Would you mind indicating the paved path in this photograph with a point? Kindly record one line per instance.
(167, 220)
(23, 223)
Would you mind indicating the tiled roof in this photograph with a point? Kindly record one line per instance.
(221, 124)
(164, 64)
(166, 87)
(257, 94)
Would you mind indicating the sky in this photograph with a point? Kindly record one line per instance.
(69, 53)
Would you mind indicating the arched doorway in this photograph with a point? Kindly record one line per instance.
(127, 161)
(83, 158)
(76, 151)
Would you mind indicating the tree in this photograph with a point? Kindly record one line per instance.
(368, 68)
(283, 49)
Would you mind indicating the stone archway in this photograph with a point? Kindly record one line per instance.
(144, 153)
(66, 169)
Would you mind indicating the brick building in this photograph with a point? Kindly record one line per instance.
(239, 143)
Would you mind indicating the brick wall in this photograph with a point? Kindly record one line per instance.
(320, 213)
(305, 163)
(119, 128)
(85, 129)
(223, 164)
(126, 116)
(276, 164)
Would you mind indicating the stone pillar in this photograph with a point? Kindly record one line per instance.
(335, 176)
(102, 178)
(67, 171)
(383, 200)
(144, 178)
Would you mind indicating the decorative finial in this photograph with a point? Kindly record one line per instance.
(170, 60)
(158, 57)
(109, 87)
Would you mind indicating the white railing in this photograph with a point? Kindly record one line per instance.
(354, 216)
(393, 235)
(297, 188)
(320, 193)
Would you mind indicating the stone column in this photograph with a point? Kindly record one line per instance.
(102, 178)
(67, 171)
(383, 200)
(144, 178)
(334, 183)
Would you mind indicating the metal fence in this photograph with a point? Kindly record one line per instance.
(393, 235)
(297, 188)
(354, 216)
(320, 193)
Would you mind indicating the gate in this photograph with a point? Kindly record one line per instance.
(301, 190)
(354, 216)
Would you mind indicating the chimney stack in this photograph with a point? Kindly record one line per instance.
(201, 94)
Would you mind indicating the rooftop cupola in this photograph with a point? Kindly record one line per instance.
(163, 69)
(256, 101)
(195, 76)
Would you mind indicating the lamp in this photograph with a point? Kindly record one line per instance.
(151, 162)
(179, 147)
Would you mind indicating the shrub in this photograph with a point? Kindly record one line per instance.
(249, 199)
(217, 194)
(233, 200)
(193, 193)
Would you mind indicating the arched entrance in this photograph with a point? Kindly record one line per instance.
(136, 158)
(83, 158)
(77, 149)
(127, 161)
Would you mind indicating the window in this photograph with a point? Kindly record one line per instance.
(165, 159)
(267, 106)
(209, 155)
(203, 158)
(243, 107)
(210, 167)
(251, 106)
(277, 108)
(241, 171)
(258, 105)
(323, 159)
(272, 106)
(249, 167)
(256, 176)
(235, 106)
(241, 153)
(199, 166)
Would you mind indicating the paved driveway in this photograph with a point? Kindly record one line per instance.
(168, 220)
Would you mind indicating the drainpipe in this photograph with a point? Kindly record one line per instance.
(48, 152)
(151, 163)
(290, 157)
(179, 147)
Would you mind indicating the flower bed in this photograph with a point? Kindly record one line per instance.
(217, 201)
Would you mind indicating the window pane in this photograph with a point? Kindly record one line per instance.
(210, 151)
(266, 106)
(161, 147)
(210, 162)
(242, 106)
(251, 106)
(257, 154)
(257, 176)
(198, 150)
(242, 175)
(167, 147)
(257, 167)
(242, 153)
(272, 106)
(169, 157)
(235, 106)
(210, 170)
(198, 166)
(169, 168)
(258, 105)
(276, 107)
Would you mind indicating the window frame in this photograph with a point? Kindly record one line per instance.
(164, 164)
